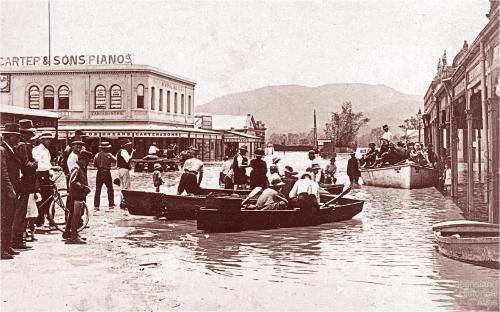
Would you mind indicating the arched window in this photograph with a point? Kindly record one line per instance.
(168, 101)
(34, 97)
(100, 97)
(116, 97)
(48, 97)
(175, 102)
(160, 101)
(182, 104)
(140, 96)
(189, 105)
(63, 96)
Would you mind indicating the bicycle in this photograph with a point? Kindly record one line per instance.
(58, 213)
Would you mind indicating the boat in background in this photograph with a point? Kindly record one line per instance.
(334, 189)
(469, 241)
(406, 176)
(227, 215)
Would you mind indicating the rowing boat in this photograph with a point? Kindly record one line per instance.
(469, 241)
(228, 216)
(174, 207)
(334, 189)
(406, 176)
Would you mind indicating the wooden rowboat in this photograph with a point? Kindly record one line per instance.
(227, 216)
(333, 188)
(407, 176)
(174, 207)
(469, 241)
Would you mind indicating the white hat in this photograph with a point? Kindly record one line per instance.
(45, 135)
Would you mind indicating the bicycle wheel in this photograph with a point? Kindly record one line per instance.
(58, 214)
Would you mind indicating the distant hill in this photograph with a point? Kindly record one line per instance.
(289, 108)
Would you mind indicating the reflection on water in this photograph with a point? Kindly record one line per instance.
(384, 259)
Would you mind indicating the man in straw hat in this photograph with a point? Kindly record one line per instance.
(103, 162)
(11, 186)
(42, 155)
(290, 177)
(240, 164)
(123, 158)
(271, 198)
(78, 190)
(29, 181)
(192, 176)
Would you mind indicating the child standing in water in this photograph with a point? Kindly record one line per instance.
(447, 178)
(157, 180)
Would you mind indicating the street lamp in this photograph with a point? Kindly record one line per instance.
(419, 117)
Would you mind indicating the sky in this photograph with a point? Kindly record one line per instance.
(235, 46)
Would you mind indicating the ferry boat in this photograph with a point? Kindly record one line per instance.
(406, 176)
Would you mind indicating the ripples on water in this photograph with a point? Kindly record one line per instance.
(384, 259)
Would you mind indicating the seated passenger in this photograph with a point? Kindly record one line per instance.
(289, 179)
(390, 157)
(271, 198)
(401, 151)
(305, 193)
(410, 147)
(329, 172)
(273, 170)
(369, 159)
(418, 155)
(432, 157)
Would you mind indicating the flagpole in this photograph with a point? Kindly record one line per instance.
(48, 10)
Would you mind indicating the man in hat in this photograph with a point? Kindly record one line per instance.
(315, 171)
(29, 181)
(353, 169)
(192, 175)
(240, 165)
(369, 159)
(11, 186)
(329, 172)
(79, 136)
(42, 155)
(123, 158)
(157, 180)
(224, 171)
(258, 175)
(273, 170)
(78, 190)
(103, 162)
(290, 177)
(387, 135)
(431, 156)
(271, 198)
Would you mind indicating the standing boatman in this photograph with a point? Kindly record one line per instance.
(103, 162)
(193, 168)
(240, 165)
(123, 158)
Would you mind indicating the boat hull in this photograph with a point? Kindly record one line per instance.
(469, 241)
(333, 188)
(406, 176)
(173, 207)
(224, 220)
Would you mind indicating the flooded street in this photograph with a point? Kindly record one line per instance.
(384, 259)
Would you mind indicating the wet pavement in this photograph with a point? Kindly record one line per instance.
(383, 260)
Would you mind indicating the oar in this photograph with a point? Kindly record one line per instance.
(252, 194)
(333, 200)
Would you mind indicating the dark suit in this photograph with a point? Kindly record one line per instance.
(11, 187)
(29, 185)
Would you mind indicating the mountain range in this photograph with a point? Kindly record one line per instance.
(289, 108)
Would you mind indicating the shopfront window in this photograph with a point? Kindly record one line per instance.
(116, 97)
(140, 96)
(48, 97)
(63, 97)
(100, 97)
(34, 97)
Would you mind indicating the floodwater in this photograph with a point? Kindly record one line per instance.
(383, 259)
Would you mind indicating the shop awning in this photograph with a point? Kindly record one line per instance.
(41, 118)
(240, 137)
(139, 131)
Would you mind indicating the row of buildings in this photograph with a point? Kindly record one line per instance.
(461, 120)
(138, 102)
